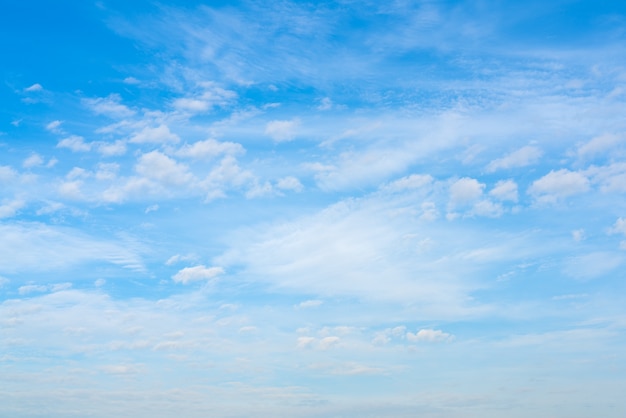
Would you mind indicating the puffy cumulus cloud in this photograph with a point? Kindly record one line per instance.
(558, 185)
(429, 336)
(211, 97)
(109, 149)
(260, 190)
(75, 143)
(619, 227)
(158, 166)
(197, 273)
(385, 336)
(208, 149)
(487, 208)
(521, 158)
(71, 189)
(282, 130)
(8, 209)
(611, 178)
(159, 135)
(110, 106)
(289, 183)
(107, 171)
(7, 173)
(227, 174)
(33, 161)
(599, 144)
(465, 191)
(505, 190)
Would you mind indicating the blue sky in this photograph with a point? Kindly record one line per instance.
(328, 209)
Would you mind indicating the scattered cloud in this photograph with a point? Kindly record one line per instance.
(33, 161)
(523, 157)
(34, 87)
(465, 191)
(311, 303)
(110, 106)
(75, 143)
(209, 149)
(598, 144)
(282, 130)
(197, 273)
(559, 184)
(505, 190)
(159, 135)
(429, 336)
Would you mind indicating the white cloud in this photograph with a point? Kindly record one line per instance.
(54, 126)
(599, 144)
(429, 336)
(414, 181)
(78, 173)
(329, 342)
(305, 342)
(312, 303)
(33, 161)
(325, 104)
(113, 148)
(74, 143)
(152, 208)
(211, 97)
(31, 288)
(71, 189)
(209, 148)
(159, 135)
(465, 191)
(559, 184)
(110, 106)
(505, 190)
(282, 130)
(131, 80)
(107, 171)
(260, 190)
(487, 208)
(521, 158)
(619, 227)
(289, 183)
(34, 87)
(9, 209)
(26, 247)
(226, 174)
(197, 273)
(578, 235)
(158, 166)
(7, 173)
(189, 104)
